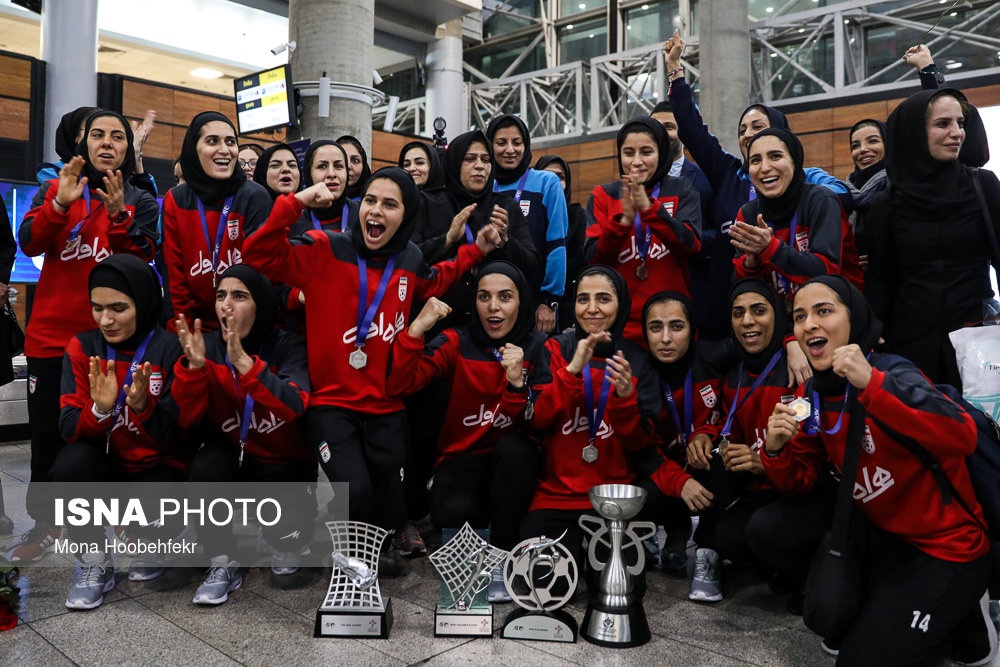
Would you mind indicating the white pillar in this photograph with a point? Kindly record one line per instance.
(725, 68)
(69, 49)
(445, 95)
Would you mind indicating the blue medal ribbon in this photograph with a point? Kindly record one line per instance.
(683, 428)
(248, 404)
(223, 219)
(643, 233)
(812, 424)
(367, 314)
(595, 416)
(520, 186)
(782, 283)
(78, 227)
(739, 403)
(136, 362)
(317, 225)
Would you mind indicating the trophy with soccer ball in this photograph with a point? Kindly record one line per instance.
(353, 606)
(615, 617)
(466, 566)
(540, 574)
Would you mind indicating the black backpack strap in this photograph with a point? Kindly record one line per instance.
(991, 231)
(848, 475)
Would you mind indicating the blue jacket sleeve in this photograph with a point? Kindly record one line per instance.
(554, 282)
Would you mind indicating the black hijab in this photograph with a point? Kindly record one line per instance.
(975, 151)
(335, 209)
(928, 189)
(779, 210)
(204, 187)
(546, 160)
(673, 374)
(755, 363)
(411, 208)
(507, 176)
(461, 196)
(435, 177)
(865, 329)
(358, 189)
(263, 297)
(95, 178)
(859, 177)
(607, 350)
(131, 276)
(66, 143)
(525, 313)
(260, 171)
(647, 125)
(777, 118)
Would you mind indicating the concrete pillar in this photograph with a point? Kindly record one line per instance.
(69, 49)
(336, 37)
(725, 68)
(444, 81)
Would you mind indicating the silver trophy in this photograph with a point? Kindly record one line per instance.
(615, 617)
(353, 606)
(466, 566)
(541, 575)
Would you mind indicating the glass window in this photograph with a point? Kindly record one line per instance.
(405, 84)
(494, 59)
(651, 23)
(512, 15)
(583, 41)
(568, 7)
(792, 83)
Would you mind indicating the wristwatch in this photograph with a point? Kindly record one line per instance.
(122, 217)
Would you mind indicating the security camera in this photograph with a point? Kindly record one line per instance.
(280, 48)
(376, 77)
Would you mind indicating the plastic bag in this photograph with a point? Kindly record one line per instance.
(977, 350)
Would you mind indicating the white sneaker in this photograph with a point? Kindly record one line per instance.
(497, 591)
(705, 586)
(977, 645)
(223, 578)
(94, 577)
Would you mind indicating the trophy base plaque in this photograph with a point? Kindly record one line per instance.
(613, 627)
(543, 626)
(354, 623)
(476, 622)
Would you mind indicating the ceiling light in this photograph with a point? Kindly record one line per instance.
(569, 27)
(953, 65)
(583, 5)
(205, 73)
(769, 10)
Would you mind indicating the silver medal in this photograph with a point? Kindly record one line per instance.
(802, 409)
(590, 453)
(642, 271)
(358, 359)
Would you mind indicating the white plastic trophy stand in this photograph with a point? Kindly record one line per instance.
(615, 617)
(353, 606)
(541, 575)
(466, 566)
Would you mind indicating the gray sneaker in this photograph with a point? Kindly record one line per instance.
(705, 586)
(497, 591)
(141, 570)
(94, 577)
(223, 578)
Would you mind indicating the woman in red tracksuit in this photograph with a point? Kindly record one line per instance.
(647, 225)
(245, 386)
(118, 417)
(90, 212)
(597, 416)
(793, 230)
(359, 286)
(926, 562)
(486, 467)
(207, 218)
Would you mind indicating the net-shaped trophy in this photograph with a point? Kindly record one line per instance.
(541, 575)
(615, 617)
(466, 566)
(353, 606)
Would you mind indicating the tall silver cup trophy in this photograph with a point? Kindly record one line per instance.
(615, 617)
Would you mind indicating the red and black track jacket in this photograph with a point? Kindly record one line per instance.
(138, 441)
(750, 420)
(187, 254)
(710, 363)
(675, 221)
(62, 302)
(894, 490)
(325, 265)
(824, 243)
(278, 382)
(290, 295)
(560, 414)
(473, 417)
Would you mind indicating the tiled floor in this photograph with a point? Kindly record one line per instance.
(155, 623)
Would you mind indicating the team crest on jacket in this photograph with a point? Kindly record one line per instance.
(156, 383)
(525, 207)
(708, 396)
(868, 442)
(670, 206)
(402, 288)
(32, 382)
(233, 228)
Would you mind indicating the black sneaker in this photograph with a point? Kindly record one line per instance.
(976, 643)
(391, 564)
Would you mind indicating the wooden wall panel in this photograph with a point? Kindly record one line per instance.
(15, 117)
(15, 77)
